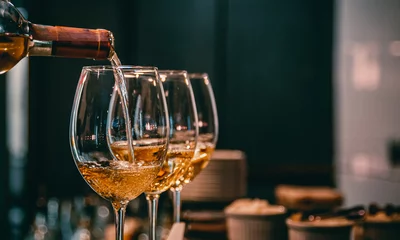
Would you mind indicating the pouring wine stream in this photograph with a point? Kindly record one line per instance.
(123, 93)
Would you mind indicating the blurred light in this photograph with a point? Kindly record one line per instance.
(360, 164)
(150, 126)
(53, 205)
(17, 177)
(201, 124)
(180, 127)
(366, 70)
(83, 234)
(370, 166)
(103, 212)
(52, 212)
(97, 233)
(143, 236)
(42, 229)
(17, 112)
(16, 215)
(394, 48)
(38, 236)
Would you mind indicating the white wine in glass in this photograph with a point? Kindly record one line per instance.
(183, 138)
(208, 134)
(119, 146)
(118, 180)
(199, 161)
(174, 167)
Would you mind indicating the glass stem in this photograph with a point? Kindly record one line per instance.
(177, 204)
(119, 210)
(152, 202)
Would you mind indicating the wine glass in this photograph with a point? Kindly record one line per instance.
(100, 132)
(182, 141)
(208, 134)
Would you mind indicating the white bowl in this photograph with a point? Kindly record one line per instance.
(263, 226)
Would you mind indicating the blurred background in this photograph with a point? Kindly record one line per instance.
(308, 90)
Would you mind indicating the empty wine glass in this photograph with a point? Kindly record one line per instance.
(182, 142)
(208, 134)
(99, 130)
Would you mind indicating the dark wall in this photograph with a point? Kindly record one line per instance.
(269, 62)
(270, 65)
(278, 103)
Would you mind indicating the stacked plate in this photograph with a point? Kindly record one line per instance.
(223, 180)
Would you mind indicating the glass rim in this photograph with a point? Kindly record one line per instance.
(111, 67)
(198, 75)
(172, 72)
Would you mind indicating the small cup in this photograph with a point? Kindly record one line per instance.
(269, 224)
(329, 229)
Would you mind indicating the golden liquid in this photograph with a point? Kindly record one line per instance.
(12, 49)
(175, 166)
(119, 181)
(143, 155)
(199, 161)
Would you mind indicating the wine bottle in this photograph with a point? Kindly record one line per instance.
(20, 38)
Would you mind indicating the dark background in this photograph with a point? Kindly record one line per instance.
(269, 63)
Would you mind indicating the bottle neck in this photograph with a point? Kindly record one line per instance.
(40, 48)
(71, 42)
